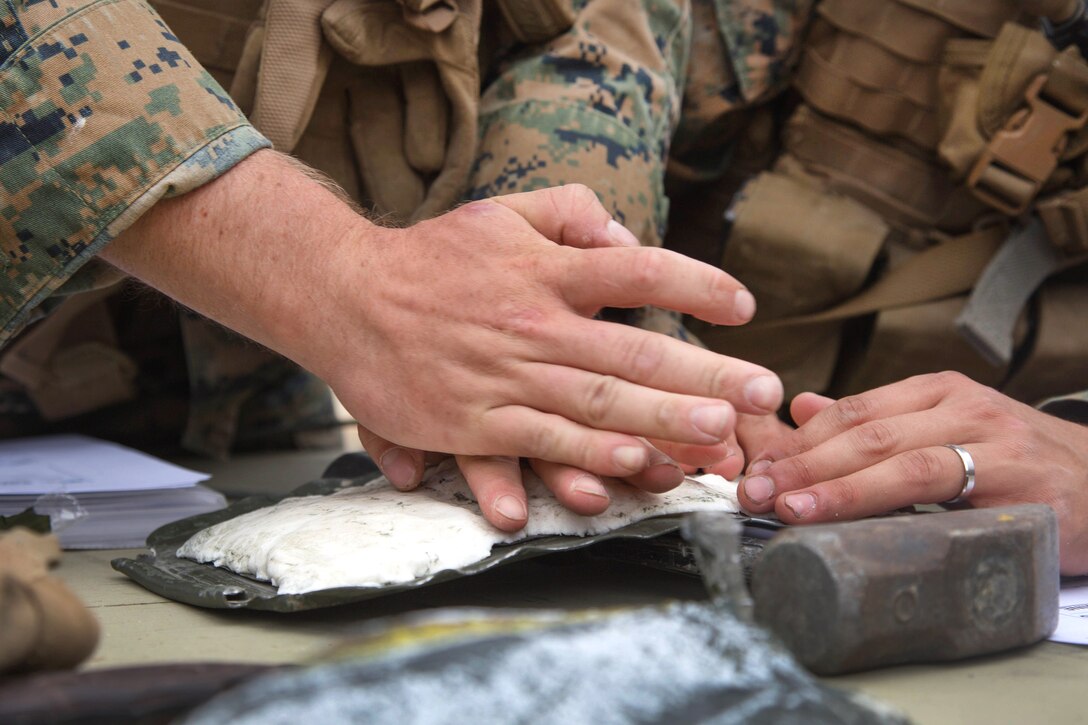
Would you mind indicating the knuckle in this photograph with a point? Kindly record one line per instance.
(601, 400)
(875, 438)
(795, 473)
(846, 495)
(649, 268)
(949, 379)
(854, 410)
(646, 357)
(541, 438)
(920, 467)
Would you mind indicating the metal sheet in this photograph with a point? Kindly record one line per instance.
(204, 585)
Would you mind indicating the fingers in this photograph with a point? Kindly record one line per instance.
(857, 449)
(691, 457)
(578, 490)
(805, 406)
(600, 278)
(533, 434)
(664, 363)
(923, 475)
(570, 215)
(661, 473)
(605, 402)
(913, 394)
(495, 481)
(402, 466)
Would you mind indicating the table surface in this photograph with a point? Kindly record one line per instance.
(1037, 684)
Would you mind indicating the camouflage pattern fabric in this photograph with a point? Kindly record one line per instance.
(103, 111)
(597, 105)
(100, 102)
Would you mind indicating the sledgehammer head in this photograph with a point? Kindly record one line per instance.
(942, 586)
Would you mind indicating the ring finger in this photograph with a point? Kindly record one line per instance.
(933, 474)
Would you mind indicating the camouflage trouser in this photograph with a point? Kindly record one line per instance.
(600, 105)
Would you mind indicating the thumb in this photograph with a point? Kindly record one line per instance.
(570, 215)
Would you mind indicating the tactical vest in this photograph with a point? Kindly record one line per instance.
(932, 176)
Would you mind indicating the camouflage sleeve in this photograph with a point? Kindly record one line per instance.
(596, 105)
(102, 113)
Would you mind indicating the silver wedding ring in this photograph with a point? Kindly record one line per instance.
(968, 473)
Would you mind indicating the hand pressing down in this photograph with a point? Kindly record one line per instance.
(888, 448)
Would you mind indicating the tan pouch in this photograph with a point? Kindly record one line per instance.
(909, 190)
(908, 341)
(1056, 364)
(830, 243)
(43, 625)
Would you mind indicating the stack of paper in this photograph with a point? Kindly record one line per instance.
(98, 495)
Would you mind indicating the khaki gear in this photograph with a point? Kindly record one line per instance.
(411, 75)
(43, 626)
(926, 129)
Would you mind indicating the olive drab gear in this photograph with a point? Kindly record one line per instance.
(934, 174)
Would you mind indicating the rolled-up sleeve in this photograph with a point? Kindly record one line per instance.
(103, 112)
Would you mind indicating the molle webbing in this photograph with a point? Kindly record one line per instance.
(913, 35)
(832, 90)
(905, 188)
(977, 17)
(533, 21)
(874, 66)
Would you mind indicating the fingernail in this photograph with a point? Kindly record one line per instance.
(761, 465)
(590, 485)
(657, 458)
(801, 504)
(630, 458)
(712, 420)
(398, 467)
(764, 392)
(759, 489)
(511, 507)
(622, 235)
(744, 305)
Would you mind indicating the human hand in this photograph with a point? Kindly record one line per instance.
(497, 485)
(492, 316)
(885, 449)
(469, 333)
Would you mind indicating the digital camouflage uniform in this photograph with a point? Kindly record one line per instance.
(614, 103)
(103, 112)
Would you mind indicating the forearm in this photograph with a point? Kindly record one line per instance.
(247, 250)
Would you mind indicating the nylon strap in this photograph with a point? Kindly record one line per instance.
(978, 17)
(947, 269)
(831, 90)
(901, 186)
(914, 35)
(874, 66)
(294, 62)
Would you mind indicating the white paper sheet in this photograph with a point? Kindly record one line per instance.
(1073, 612)
(78, 464)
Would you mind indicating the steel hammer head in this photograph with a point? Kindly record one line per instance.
(940, 586)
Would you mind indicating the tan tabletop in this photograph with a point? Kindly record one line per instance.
(1040, 684)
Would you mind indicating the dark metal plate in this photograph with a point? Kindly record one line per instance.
(204, 585)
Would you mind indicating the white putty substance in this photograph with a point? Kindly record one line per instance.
(373, 535)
